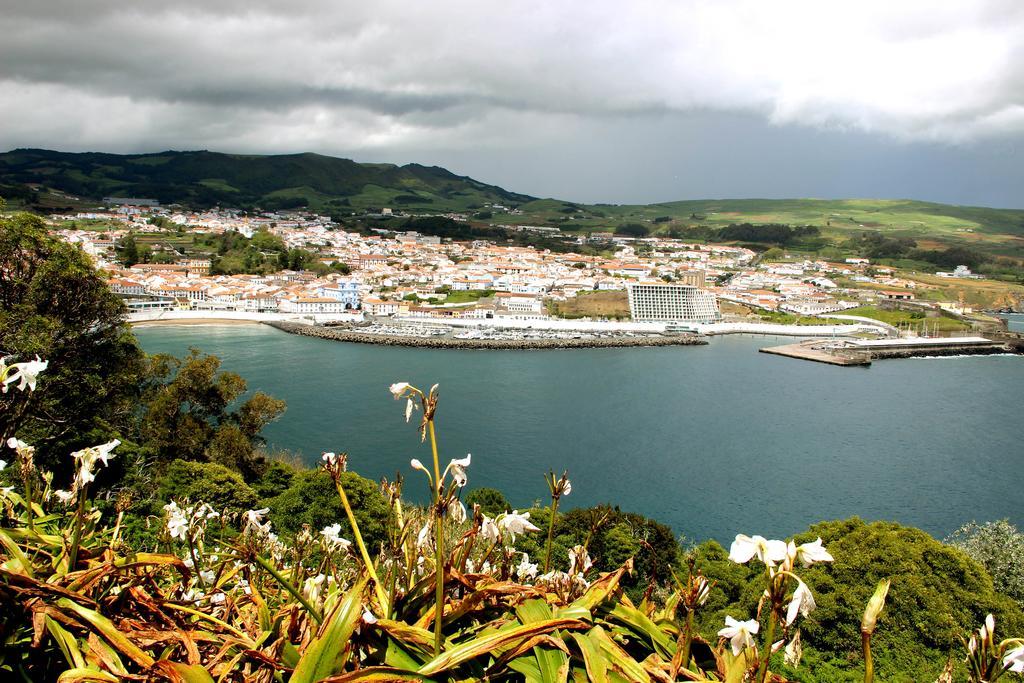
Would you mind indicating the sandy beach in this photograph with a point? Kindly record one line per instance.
(194, 321)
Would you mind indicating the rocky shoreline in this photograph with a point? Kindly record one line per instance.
(347, 335)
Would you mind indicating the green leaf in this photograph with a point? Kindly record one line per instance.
(493, 641)
(67, 644)
(553, 664)
(321, 656)
(80, 675)
(641, 625)
(597, 669)
(18, 563)
(618, 658)
(183, 673)
(377, 673)
(106, 628)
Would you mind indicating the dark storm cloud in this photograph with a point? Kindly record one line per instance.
(553, 82)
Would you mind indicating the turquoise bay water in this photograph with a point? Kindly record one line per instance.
(712, 440)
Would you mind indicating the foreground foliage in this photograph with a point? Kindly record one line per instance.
(446, 594)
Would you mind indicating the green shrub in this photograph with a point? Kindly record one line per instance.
(274, 481)
(312, 499)
(613, 537)
(208, 482)
(938, 594)
(491, 501)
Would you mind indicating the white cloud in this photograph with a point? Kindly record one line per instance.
(328, 75)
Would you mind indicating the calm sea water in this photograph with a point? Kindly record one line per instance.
(711, 440)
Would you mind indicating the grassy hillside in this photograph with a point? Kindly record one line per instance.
(208, 178)
(56, 180)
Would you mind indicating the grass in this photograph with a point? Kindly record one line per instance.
(606, 304)
(467, 296)
(899, 317)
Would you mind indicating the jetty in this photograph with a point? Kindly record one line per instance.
(519, 341)
(861, 352)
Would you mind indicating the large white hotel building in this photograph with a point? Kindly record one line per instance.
(672, 302)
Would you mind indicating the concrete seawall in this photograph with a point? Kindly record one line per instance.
(345, 335)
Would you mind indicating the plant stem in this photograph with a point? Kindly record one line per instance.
(869, 665)
(438, 544)
(76, 537)
(378, 588)
(551, 532)
(688, 641)
(762, 672)
(313, 612)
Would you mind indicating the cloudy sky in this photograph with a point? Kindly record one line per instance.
(591, 100)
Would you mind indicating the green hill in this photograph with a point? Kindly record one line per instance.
(48, 180)
(204, 179)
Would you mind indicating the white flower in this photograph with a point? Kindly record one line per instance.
(417, 465)
(17, 444)
(745, 547)
(207, 575)
(489, 531)
(332, 535)
(313, 587)
(802, 603)
(398, 388)
(809, 553)
(177, 522)
(329, 458)
(423, 538)
(65, 497)
(408, 409)
(27, 373)
(3, 465)
(458, 469)
(103, 452)
(217, 598)
(88, 457)
(579, 560)
(739, 633)
(794, 651)
(244, 585)
(567, 488)
(1015, 659)
(515, 523)
(368, 617)
(526, 569)
(254, 517)
(988, 628)
(456, 511)
(254, 521)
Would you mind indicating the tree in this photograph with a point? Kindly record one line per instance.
(999, 547)
(632, 230)
(187, 414)
(312, 499)
(129, 251)
(491, 501)
(210, 483)
(55, 305)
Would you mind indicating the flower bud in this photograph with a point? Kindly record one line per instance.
(874, 608)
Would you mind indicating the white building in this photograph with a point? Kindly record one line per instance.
(311, 305)
(672, 302)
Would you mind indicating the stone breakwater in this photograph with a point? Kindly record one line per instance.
(992, 350)
(347, 335)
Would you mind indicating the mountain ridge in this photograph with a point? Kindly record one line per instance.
(201, 178)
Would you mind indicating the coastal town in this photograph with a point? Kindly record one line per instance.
(386, 274)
